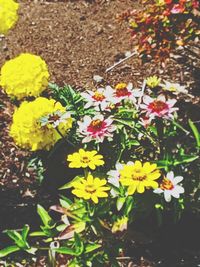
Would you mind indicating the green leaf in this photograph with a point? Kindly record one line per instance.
(70, 184)
(61, 228)
(133, 143)
(180, 127)
(129, 205)
(129, 123)
(91, 247)
(65, 202)
(14, 235)
(195, 132)
(25, 232)
(6, 251)
(66, 250)
(46, 219)
(37, 233)
(31, 250)
(78, 244)
(185, 159)
(120, 202)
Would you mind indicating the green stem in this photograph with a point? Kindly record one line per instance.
(64, 138)
(160, 130)
(86, 172)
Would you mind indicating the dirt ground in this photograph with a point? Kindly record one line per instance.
(77, 39)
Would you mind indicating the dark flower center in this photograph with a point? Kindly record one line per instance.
(90, 189)
(54, 117)
(85, 160)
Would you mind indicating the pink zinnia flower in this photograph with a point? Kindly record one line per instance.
(125, 91)
(159, 107)
(96, 128)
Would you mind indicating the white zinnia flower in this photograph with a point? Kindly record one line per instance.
(175, 88)
(170, 187)
(99, 99)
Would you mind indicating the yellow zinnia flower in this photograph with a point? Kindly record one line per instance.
(23, 76)
(90, 188)
(84, 159)
(8, 15)
(27, 130)
(137, 176)
(153, 81)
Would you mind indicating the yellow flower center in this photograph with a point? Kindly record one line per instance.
(121, 86)
(166, 184)
(98, 96)
(90, 189)
(96, 124)
(121, 90)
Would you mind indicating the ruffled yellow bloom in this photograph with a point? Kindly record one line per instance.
(26, 129)
(90, 188)
(153, 81)
(8, 15)
(137, 176)
(84, 159)
(120, 225)
(23, 76)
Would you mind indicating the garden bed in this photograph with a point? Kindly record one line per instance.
(80, 39)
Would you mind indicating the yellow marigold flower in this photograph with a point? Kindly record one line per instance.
(84, 159)
(27, 130)
(120, 225)
(23, 76)
(153, 81)
(90, 188)
(8, 15)
(137, 176)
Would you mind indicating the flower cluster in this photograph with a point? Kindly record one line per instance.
(104, 99)
(8, 15)
(27, 130)
(24, 76)
(121, 140)
(163, 26)
(125, 150)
